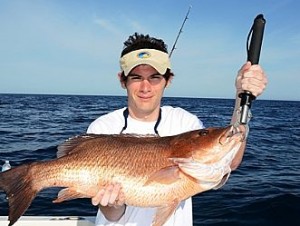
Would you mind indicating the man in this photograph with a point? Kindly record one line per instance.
(146, 72)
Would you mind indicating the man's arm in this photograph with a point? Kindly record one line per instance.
(251, 78)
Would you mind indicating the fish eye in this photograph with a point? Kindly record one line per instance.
(203, 132)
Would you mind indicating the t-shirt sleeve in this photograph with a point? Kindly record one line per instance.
(110, 123)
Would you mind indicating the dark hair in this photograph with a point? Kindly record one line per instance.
(140, 41)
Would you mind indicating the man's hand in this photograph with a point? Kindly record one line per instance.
(251, 78)
(110, 195)
(111, 201)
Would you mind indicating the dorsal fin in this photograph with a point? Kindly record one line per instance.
(69, 145)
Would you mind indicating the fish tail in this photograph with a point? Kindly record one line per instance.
(19, 190)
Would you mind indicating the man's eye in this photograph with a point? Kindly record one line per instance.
(135, 78)
(156, 77)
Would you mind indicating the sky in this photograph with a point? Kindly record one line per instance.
(73, 46)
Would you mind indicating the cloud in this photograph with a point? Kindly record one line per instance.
(136, 26)
(108, 26)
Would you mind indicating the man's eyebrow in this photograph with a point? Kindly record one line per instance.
(133, 74)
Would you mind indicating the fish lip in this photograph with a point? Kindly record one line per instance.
(231, 132)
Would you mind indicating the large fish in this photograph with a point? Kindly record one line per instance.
(153, 171)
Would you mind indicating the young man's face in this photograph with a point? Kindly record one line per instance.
(145, 87)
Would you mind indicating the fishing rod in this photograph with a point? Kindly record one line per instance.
(180, 31)
(253, 51)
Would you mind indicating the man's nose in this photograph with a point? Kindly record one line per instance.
(145, 85)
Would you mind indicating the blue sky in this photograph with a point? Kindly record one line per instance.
(73, 47)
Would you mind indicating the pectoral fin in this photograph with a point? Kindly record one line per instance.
(163, 213)
(166, 175)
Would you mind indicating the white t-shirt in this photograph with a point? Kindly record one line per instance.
(173, 121)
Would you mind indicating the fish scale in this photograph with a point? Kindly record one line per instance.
(153, 171)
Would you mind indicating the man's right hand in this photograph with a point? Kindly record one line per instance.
(111, 201)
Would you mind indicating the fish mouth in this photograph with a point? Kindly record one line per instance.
(233, 133)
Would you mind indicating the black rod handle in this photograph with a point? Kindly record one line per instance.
(256, 39)
(253, 54)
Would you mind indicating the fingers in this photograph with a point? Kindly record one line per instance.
(97, 199)
(252, 79)
(110, 195)
(246, 66)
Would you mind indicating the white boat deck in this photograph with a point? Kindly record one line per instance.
(50, 221)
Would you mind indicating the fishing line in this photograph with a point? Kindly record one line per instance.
(180, 31)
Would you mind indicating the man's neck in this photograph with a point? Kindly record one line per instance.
(144, 116)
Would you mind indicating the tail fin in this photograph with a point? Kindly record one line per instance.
(18, 187)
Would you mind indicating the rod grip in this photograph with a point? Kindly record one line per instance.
(256, 39)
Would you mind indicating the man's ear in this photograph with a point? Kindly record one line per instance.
(169, 82)
(123, 85)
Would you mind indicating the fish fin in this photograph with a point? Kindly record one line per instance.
(69, 145)
(163, 213)
(167, 175)
(69, 194)
(18, 187)
(208, 175)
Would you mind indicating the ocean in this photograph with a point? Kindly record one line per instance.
(264, 190)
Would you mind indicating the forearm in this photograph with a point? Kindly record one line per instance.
(238, 157)
(251, 78)
(113, 213)
(235, 121)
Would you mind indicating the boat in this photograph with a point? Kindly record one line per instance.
(50, 221)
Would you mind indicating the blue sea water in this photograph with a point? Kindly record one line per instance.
(264, 190)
